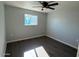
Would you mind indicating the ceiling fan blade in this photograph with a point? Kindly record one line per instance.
(53, 4)
(41, 2)
(37, 6)
(51, 8)
(50, 1)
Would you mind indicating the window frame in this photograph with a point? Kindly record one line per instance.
(31, 16)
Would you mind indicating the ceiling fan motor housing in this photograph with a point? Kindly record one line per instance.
(45, 4)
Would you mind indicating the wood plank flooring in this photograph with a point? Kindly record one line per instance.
(53, 47)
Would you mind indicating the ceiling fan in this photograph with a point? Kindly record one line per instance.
(47, 5)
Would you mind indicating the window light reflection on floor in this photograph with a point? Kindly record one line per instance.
(30, 53)
(37, 52)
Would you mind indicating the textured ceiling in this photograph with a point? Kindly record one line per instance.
(30, 5)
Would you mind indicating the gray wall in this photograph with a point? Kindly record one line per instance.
(2, 30)
(63, 25)
(15, 28)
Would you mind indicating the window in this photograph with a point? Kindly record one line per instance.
(30, 20)
(36, 52)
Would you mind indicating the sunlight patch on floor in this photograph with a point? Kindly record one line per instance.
(37, 52)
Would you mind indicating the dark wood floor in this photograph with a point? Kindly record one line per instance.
(53, 47)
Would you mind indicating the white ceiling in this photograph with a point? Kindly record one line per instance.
(30, 5)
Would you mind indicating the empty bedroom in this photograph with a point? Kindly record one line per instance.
(39, 28)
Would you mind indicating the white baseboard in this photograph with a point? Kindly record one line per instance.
(40, 36)
(25, 38)
(63, 42)
(78, 51)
